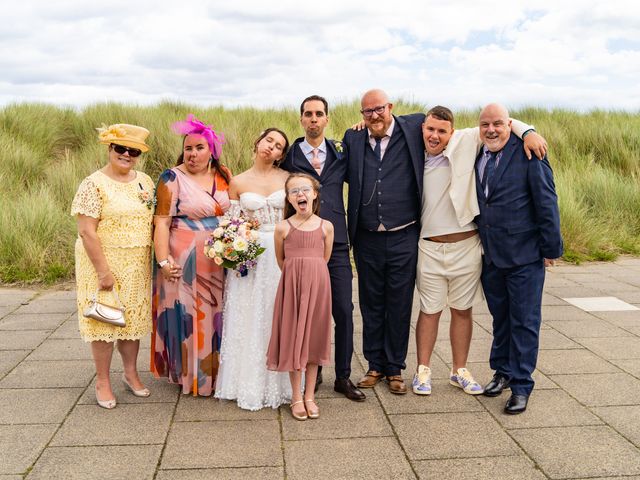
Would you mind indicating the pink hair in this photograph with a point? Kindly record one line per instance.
(193, 126)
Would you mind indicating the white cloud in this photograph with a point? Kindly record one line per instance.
(577, 54)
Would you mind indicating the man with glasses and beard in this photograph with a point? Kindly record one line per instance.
(384, 170)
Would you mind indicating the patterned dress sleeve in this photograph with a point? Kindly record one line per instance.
(234, 209)
(167, 194)
(87, 200)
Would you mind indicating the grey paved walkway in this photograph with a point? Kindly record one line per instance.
(583, 420)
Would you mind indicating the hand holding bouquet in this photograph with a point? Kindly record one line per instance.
(235, 244)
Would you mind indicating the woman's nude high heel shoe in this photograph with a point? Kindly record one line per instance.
(108, 404)
(138, 393)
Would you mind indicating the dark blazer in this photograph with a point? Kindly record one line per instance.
(331, 180)
(519, 222)
(355, 143)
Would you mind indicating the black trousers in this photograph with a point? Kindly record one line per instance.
(386, 264)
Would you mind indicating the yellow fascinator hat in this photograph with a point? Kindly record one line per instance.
(124, 134)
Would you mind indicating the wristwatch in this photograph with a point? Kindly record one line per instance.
(162, 263)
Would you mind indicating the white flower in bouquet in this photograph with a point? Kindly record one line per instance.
(240, 244)
(218, 246)
(218, 232)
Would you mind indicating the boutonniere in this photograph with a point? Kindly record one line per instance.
(338, 146)
(147, 197)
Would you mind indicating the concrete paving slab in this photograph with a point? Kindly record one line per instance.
(48, 306)
(445, 398)
(631, 366)
(22, 340)
(576, 452)
(192, 409)
(15, 298)
(563, 312)
(10, 358)
(58, 295)
(621, 319)
(548, 299)
(127, 424)
(111, 462)
(626, 420)
(4, 311)
(339, 418)
(347, 458)
(31, 321)
(601, 389)
(262, 473)
(69, 329)
(630, 297)
(21, 445)
(44, 405)
(50, 374)
(551, 339)
(546, 408)
(573, 361)
(467, 435)
(253, 443)
(587, 328)
(619, 348)
(62, 349)
(161, 391)
(600, 304)
(482, 468)
(577, 291)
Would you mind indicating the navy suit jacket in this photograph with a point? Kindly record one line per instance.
(519, 221)
(357, 141)
(331, 181)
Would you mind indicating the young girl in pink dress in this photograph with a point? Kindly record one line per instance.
(301, 331)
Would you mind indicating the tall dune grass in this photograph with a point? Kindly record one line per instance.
(45, 151)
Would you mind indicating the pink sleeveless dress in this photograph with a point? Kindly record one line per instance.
(301, 330)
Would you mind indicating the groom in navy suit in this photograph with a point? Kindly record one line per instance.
(519, 225)
(385, 171)
(324, 159)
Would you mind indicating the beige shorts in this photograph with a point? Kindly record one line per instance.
(449, 274)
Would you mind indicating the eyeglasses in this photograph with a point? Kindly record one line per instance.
(368, 112)
(305, 190)
(121, 149)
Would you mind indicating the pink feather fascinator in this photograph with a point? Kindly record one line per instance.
(193, 126)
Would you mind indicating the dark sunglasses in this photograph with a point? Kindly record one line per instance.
(120, 150)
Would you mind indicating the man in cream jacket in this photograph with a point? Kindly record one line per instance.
(449, 249)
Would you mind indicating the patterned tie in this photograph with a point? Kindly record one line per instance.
(489, 168)
(315, 161)
(377, 151)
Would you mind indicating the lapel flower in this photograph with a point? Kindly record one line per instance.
(146, 197)
(338, 146)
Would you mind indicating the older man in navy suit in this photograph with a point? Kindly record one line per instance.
(385, 165)
(519, 225)
(324, 159)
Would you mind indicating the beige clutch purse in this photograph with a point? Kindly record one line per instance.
(106, 313)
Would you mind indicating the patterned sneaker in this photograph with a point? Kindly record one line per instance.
(422, 381)
(463, 379)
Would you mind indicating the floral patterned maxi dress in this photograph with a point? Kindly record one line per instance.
(187, 314)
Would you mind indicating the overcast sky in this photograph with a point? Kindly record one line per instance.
(579, 54)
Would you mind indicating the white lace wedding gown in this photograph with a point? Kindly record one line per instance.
(247, 317)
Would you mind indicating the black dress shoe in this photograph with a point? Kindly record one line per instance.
(348, 389)
(516, 404)
(318, 380)
(497, 384)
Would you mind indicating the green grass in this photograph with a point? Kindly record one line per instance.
(45, 151)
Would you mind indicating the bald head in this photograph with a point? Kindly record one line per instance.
(495, 126)
(376, 111)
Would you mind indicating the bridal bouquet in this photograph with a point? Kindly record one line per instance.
(235, 244)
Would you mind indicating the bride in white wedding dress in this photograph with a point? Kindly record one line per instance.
(248, 301)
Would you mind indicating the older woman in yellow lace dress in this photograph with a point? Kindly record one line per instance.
(114, 210)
